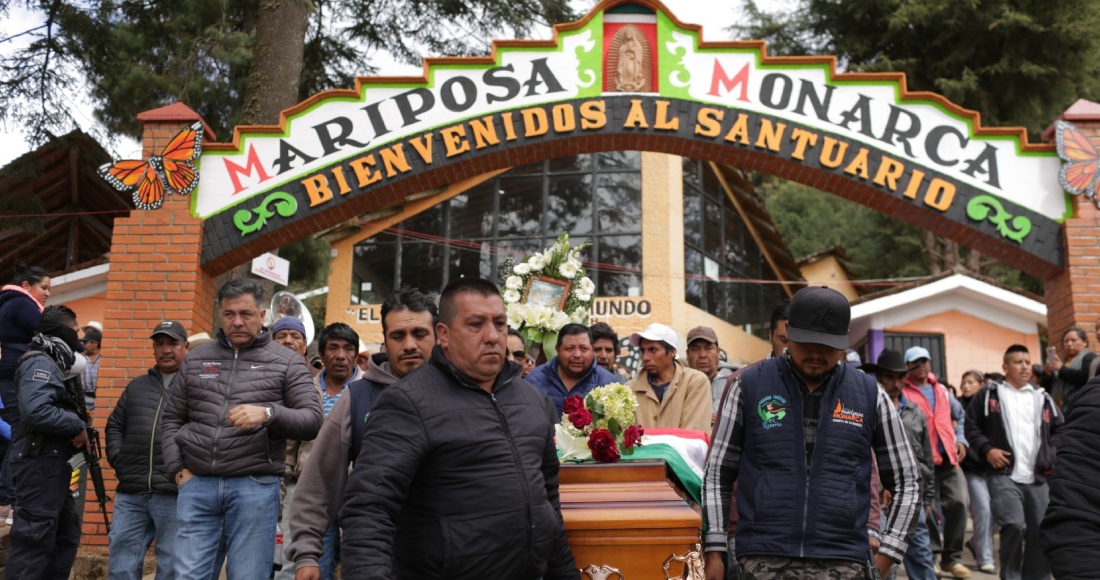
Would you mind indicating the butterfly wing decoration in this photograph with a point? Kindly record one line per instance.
(172, 171)
(1081, 171)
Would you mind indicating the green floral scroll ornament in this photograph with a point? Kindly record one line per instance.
(284, 204)
(983, 207)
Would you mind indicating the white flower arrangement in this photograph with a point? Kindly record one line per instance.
(537, 323)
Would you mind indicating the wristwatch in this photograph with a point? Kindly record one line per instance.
(268, 412)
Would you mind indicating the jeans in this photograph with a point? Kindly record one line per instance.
(981, 516)
(242, 512)
(919, 560)
(1017, 509)
(139, 519)
(331, 543)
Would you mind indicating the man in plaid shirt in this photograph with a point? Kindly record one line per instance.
(798, 432)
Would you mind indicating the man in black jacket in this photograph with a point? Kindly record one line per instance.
(1071, 528)
(145, 504)
(457, 476)
(1014, 427)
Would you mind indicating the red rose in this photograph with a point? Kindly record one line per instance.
(602, 444)
(573, 403)
(580, 418)
(633, 436)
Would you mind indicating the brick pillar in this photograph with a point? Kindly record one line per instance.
(1073, 297)
(154, 276)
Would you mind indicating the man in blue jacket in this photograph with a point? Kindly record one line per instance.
(574, 370)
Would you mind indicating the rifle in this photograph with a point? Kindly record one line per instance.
(95, 472)
(872, 568)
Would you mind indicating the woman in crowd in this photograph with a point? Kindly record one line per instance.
(981, 544)
(1062, 379)
(21, 304)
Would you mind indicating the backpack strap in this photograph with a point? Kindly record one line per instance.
(363, 393)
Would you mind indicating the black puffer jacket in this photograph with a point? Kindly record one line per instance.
(1071, 529)
(133, 436)
(215, 378)
(455, 483)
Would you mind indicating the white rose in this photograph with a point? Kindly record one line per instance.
(568, 270)
(513, 283)
(511, 296)
(522, 269)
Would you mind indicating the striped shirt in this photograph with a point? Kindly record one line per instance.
(329, 401)
(90, 376)
(897, 471)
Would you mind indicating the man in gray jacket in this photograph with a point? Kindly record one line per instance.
(234, 404)
(408, 327)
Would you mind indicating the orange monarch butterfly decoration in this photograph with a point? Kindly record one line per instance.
(1081, 172)
(171, 171)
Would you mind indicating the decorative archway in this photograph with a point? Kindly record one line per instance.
(345, 153)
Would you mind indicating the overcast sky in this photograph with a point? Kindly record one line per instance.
(714, 16)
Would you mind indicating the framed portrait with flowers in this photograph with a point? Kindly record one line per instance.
(546, 292)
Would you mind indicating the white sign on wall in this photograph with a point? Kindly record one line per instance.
(271, 267)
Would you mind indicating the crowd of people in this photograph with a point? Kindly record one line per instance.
(435, 457)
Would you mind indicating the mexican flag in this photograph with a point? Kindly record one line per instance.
(684, 452)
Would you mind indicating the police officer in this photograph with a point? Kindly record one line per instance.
(46, 528)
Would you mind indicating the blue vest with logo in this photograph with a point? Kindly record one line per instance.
(783, 511)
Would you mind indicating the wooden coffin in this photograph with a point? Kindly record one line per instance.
(627, 516)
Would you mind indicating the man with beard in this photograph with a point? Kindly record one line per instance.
(408, 326)
(800, 431)
(339, 346)
(573, 371)
(457, 477)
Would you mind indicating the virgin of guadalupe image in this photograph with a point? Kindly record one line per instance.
(632, 77)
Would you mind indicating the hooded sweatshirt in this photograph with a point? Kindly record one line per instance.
(19, 315)
(324, 473)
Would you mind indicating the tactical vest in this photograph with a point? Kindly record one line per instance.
(783, 511)
(72, 402)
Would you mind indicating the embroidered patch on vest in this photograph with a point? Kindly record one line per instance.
(772, 409)
(842, 414)
(40, 375)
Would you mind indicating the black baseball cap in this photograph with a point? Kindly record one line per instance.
(890, 360)
(170, 328)
(819, 315)
(92, 335)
